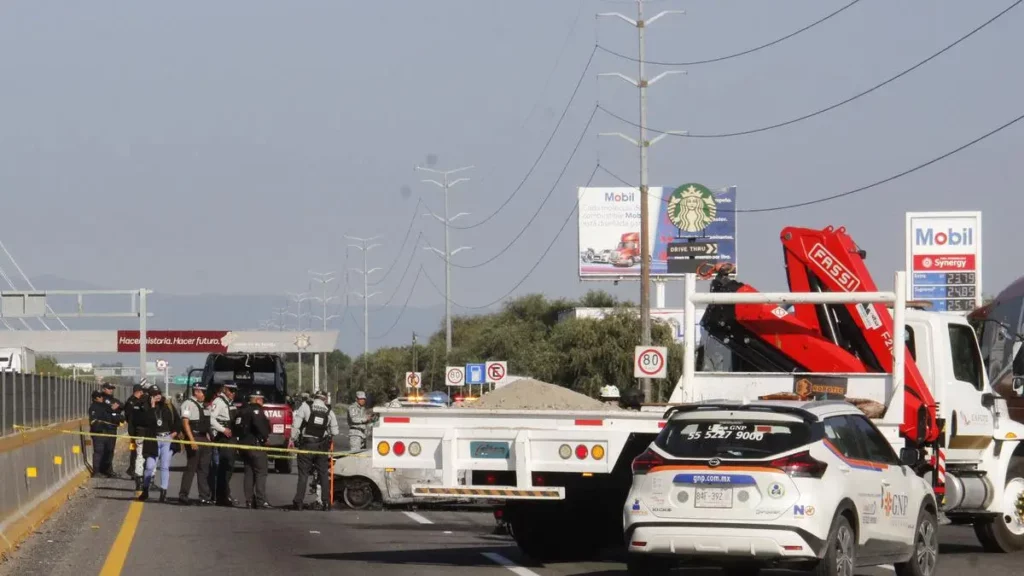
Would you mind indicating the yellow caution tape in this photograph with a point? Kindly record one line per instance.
(294, 451)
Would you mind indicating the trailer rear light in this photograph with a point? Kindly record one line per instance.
(793, 548)
(498, 513)
(383, 448)
(638, 544)
(415, 449)
(801, 465)
(565, 451)
(399, 448)
(597, 452)
(581, 452)
(491, 479)
(582, 422)
(538, 480)
(643, 463)
(396, 419)
(661, 424)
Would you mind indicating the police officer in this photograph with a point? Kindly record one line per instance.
(313, 429)
(132, 408)
(101, 421)
(393, 398)
(357, 420)
(254, 430)
(195, 427)
(222, 421)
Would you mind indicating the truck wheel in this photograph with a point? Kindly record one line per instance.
(283, 466)
(840, 550)
(645, 565)
(926, 547)
(358, 494)
(1005, 533)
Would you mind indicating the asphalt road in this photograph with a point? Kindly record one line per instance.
(174, 540)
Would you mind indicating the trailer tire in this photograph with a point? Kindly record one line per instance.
(1005, 534)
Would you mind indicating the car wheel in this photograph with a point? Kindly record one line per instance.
(1006, 532)
(358, 494)
(840, 550)
(643, 565)
(926, 547)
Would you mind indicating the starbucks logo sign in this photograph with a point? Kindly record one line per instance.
(692, 207)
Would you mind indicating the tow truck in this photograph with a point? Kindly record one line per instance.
(564, 475)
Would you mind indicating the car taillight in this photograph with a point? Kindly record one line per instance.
(398, 448)
(801, 465)
(643, 463)
(287, 419)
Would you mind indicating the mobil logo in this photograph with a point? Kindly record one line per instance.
(944, 236)
(620, 196)
(833, 267)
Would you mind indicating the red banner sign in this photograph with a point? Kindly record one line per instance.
(174, 341)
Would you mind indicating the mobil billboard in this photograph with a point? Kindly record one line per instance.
(943, 251)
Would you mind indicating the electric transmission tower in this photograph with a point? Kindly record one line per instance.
(365, 246)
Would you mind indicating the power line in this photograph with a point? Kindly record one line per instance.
(412, 290)
(828, 108)
(408, 265)
(543, 150)
(737, 54)
(558, 61)
(862, 188)
(532, 268)
(540, 208)
(401, 248)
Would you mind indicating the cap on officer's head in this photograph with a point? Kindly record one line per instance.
(199, 386)
(154, 390)
(360, 395)
(230, 385)
(96, 394)
(321, 394)
(137, 388)
(108, 386)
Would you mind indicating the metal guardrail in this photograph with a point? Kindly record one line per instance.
(41, 399)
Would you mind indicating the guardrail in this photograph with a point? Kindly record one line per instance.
(36, 400)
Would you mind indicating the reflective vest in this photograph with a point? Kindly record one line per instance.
(318, 424)
(202, 426)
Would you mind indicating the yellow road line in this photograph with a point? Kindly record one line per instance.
(123, 543)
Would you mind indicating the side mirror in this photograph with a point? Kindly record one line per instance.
(909, 457)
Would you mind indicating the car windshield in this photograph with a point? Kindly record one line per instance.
(731, 438)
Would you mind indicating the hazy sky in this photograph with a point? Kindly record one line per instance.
(229, 146)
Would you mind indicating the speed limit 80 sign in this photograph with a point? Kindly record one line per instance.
(650, 362)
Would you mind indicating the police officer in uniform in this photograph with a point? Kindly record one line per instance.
(133, 406)
(195, 427)
(313, 428)
(117, 414)
(222, 421)
(254, 430)
(101, 421)
(357, 420)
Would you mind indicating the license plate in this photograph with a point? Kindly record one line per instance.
(278, 429)
(489, 450)
(713, 498)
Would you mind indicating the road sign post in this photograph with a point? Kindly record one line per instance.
(413, 380)
(496, 372)
(650, 362)
(455, 376)
(476, 375)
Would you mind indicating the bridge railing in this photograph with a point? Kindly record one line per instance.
(39, 400)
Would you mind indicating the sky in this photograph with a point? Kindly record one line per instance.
(229, 147)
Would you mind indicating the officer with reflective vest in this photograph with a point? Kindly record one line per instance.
(195, 428)
(222, 422)
(253, 431)
(313, 429)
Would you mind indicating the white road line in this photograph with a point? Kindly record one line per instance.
(502, 561)
(418, 518)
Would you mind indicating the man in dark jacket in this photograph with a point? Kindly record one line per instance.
(254, 430)
(101, 421)
(161, 430)
(132, 411)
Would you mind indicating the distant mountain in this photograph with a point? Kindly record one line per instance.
(234, 312)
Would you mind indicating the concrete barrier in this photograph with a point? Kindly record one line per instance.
(39, 470)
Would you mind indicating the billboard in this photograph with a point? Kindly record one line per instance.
(944, 259)
(692, 228)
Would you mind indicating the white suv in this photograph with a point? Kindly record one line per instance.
(812, 485)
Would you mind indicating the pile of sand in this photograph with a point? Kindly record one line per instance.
(530, 394)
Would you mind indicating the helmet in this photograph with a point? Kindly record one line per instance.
(610, 392)
(393, 393)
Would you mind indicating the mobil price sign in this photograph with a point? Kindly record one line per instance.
(944, 259)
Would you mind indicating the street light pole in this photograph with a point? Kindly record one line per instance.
(298, 299)
(365, 246)
(323, 278)
(645, 249)
(445, 184)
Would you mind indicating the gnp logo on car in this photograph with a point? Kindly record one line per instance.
(948, 237)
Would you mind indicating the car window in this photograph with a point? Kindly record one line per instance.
(876, 447)
(841, 435)
(731, 438)
(966, 358)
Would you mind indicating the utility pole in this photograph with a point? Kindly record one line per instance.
(414, 364)
(280, 312)
(323, 278)
(445, 184)
(365, 246)
(298, 299)
(645, 248)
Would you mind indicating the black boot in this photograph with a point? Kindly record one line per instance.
(145, 494)
(163, 495)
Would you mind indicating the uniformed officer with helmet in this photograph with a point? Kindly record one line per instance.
(357, 421)
(253, 431)
(313, 429)
(222, 421)
(195, 428)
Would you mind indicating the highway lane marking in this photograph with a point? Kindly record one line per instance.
(123, 543)
(505, 562)
(418, 518)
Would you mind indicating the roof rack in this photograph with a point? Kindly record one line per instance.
(792, 410)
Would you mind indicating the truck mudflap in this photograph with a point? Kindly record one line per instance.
(490, 493)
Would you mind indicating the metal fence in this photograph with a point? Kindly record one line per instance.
(35, 400)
